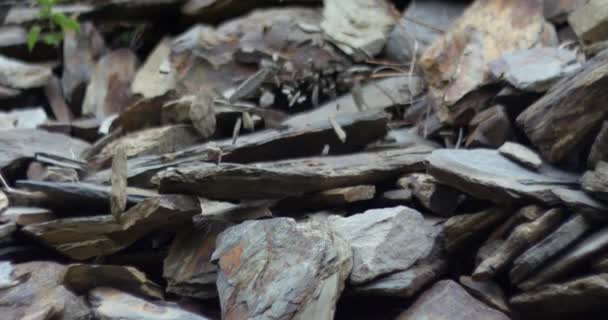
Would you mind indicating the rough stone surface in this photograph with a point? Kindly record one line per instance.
(448, 300)
(590, 21)
(596, 182)
(301, 268)
(599, 149)
(521, 154)
(490, 128)
(20, 75)
(384, 241)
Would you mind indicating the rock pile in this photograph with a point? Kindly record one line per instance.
(369, 159)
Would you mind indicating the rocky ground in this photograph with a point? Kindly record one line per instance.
(336, 159)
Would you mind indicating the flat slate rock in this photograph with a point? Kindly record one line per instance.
(486, 174)
(521, 154)
(596, 182)
(384, 241)
(448, 300)
(279, 269)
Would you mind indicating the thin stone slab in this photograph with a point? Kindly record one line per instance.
(486, 174)
(521, 154)
(596, 182)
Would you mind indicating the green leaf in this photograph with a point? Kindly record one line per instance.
(32, 36)
(65, 23)
(53, 38)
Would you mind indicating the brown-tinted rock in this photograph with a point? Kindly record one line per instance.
(448, 300)
(599, 149)
(111, 304)
(155, 77)
(54, 95)
(490, 128)
(299, 270)
(439, 199)
(38, 291)
(462, 230)
(118, 194)
(573, 298)
(590, 21)
(488, 175)
(560, 121)
(295, 177)
(109, 91)
(330, 198)
(81, 278)
(83, 238)
(557, 11)
(24, 216)
(555, 243)
(456, 63)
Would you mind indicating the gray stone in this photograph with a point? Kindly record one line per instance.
(488, 291)
(535, 69)
(384, 241)
(279, 269)
(599, 149)
(438, 198)
(580, 202)
(461, 230)
(20, 75)
(521, 154)
(590, 21)
(488, 175)
(596, 182)
(448, 300)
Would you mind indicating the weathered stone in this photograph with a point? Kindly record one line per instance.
(54, 95)
(20, 144)
(599, 149)
(331, 198)
(279, 269)
(202, 115)
(278, 179)
(396, 197)
(578, 297)
(462, 230)
(37, 290)
(24, 216)
(155, 77)
(420, 25)
(596, 182)
(359, 28)
(83, 238)
(109, 91)
(488, 175)
(536, 69)
(557, 11)
(20, 75)
(487, 291)
(555, 243)
(456, 63)
(571, 110)
(81, 278)
(111, 304)
(448, 300)
(384, 241)
(3, 202)
(188, 268)
(580, 202)
(521, 154)
(590, 21)
(118, 194)
(438, 198)
(490, 128)
(27, 118)
(568, 262)
(522, 237)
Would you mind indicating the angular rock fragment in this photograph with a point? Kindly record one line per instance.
(3, 202)
(461, 230)
(359, 28)
(536, 69)
(555, 243)
(188, 268)
(87, 237)
(81, 278)
(280, 269)
(113, 304)
(580, 202)
(596, 182)
(521, 154)
(590, 21)
(38, 291)
(561, 120)
(599, 149)
(396, 197)
(330, 198)
(420, 25)
(155, 77)
(54, 95)
(109, 91)
(448, 300)
(456, 64)
(488, 291)
(488, 175)
(81, 50)
(490, 128)
(21, 144)
(439, 199)
(383, 241)
(565, 264)
(557, 11)
(579, 297)
(26, 118)
(118, 193)
(24, 216)
(522, 237)
(20, 75)
(278, 179)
